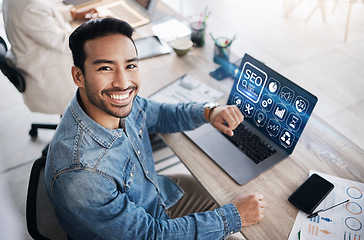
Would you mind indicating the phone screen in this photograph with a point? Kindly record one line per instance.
(311, 193)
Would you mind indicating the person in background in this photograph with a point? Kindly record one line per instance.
(100, 174)
(38, 32)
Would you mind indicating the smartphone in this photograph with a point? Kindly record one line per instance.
(311, 193)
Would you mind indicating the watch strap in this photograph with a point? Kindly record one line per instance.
(208, 109)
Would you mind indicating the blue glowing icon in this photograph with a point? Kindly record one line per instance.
(251, 82)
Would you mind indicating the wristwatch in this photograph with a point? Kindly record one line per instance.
(208, 108)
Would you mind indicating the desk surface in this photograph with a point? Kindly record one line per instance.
(320, 148)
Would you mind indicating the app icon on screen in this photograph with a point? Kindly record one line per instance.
(251, 82)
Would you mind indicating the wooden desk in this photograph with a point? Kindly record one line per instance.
(320, 148)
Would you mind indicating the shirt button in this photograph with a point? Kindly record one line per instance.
(140, 132)
(138, 152)
(131, 174)
(147, 172)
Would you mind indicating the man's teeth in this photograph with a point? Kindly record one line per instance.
(119, 97)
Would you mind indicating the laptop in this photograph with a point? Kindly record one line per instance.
(276, 111)
(135, 12)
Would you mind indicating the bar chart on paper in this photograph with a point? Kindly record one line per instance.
(344, 222)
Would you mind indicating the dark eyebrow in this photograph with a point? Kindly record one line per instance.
(100, 61)
(132, 60)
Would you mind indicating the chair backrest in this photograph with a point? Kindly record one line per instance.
(11, 73)
(41, 219)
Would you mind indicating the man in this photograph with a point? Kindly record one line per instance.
(100, 173)
(38, 32)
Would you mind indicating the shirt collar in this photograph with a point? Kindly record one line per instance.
(104, 136)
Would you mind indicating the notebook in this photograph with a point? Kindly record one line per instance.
(135, 12)
(276, 110)
(186, 89)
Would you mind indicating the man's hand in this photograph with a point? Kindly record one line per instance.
(226, 118)
(251, 207)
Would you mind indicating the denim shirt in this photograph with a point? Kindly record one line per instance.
(103, 184)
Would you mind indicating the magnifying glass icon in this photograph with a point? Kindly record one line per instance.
(244, 83)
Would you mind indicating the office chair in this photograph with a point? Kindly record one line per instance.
(18, 81)
(41, 219)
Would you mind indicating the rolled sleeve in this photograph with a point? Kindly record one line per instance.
(231, 219)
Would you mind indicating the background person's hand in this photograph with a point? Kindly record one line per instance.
(226, 118)
(84, 14)
(251, 207)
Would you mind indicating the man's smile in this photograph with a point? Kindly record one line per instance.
(120, 97)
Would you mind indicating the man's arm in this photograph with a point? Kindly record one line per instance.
(167, 118)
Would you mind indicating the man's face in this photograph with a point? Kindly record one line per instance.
(111, 77)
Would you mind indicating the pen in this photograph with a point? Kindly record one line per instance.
(216, 42)
(231, 41)
(323, 210)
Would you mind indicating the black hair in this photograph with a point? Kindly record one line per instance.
(93, 29)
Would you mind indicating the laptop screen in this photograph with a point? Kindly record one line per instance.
(276, 106)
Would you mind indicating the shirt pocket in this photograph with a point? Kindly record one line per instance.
(129, 172)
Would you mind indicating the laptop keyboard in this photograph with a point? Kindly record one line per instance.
(253, 146)
(120, 10)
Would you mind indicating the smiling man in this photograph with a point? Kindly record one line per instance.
(100, 174)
